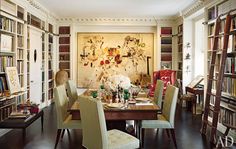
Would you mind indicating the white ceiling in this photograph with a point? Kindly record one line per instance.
(115, 8)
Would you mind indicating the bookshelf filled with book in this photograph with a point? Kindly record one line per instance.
(64, 48)
(12, 54)
(50, 61)
(166, 47)
(228, 100)
(180, 51)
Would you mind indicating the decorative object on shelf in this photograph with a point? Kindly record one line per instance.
(12, 80)
(6, 43)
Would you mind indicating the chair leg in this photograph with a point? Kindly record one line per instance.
(58, 136)
(142, 137)
(167, 132)
(62, 134)
(173, 137)
(226, 131)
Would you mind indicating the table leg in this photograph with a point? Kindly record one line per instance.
(24, 132)
(42, 117)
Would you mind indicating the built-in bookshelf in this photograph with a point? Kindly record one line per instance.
(43, 67)
(50, 61)
(180, 51)
(12, 52)
(227, 113)
(166, 47)
(64, 48)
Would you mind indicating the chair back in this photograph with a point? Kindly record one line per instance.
(93, 123)
(158, 93)
(61, 102)
(71, 91)
(168, 77)
(170, 101)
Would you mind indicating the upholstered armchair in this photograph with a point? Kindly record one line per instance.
(167, 76)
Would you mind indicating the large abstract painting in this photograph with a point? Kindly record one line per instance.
(101, 55)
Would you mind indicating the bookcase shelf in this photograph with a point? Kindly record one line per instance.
(227, 114)
(180, 52)
(64, 48)
(166, 47)
(12, 31)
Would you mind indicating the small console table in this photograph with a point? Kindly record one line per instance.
(10, 123)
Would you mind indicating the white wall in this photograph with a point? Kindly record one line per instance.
(198, 55)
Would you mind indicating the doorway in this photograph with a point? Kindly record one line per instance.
(35, 66)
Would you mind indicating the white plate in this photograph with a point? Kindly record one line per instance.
(115, 105)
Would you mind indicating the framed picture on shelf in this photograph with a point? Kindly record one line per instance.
(6, 43)
(12, 80)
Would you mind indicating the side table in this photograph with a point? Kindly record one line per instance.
(10, 123)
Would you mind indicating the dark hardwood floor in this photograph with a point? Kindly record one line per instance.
(187, 134)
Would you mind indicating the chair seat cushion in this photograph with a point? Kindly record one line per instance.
(71, 124)
(188, 97)
(161, 122)
(120, 140)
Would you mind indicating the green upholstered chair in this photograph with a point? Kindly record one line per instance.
(64, 119)
(166, 119)
(71, 92)
(95, 134)
(158, 93)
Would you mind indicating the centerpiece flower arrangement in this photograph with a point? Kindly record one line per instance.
(117, 81)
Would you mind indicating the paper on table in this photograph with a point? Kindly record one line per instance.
(144, 104)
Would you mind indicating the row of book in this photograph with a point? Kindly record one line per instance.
(64, 65)
(3, 85)
(166, 40)
(230, 66)
(20, 41)
(166, 30)
(229, 86)
(7, 24)
(20, 67)
(6, 111)
(5, 61)
(231, 43)
(64, 30)
(20, 28)
(166, 57)
(64, 40)
(64, 48)
(50, 94)
(227, 116)
(20, 54)
(21, 80)
(64, 57)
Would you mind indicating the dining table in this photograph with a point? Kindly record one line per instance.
(137, 111)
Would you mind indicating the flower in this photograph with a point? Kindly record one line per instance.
(114, 81)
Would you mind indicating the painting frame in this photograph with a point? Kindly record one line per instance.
(12, 80)
(111, 42)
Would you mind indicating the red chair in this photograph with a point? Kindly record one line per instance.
(167, 76)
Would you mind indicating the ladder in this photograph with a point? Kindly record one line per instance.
(215, 108)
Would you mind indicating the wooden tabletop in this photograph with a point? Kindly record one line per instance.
(132, 112)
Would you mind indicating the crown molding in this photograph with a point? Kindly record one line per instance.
(193, 8)
(149, 21)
